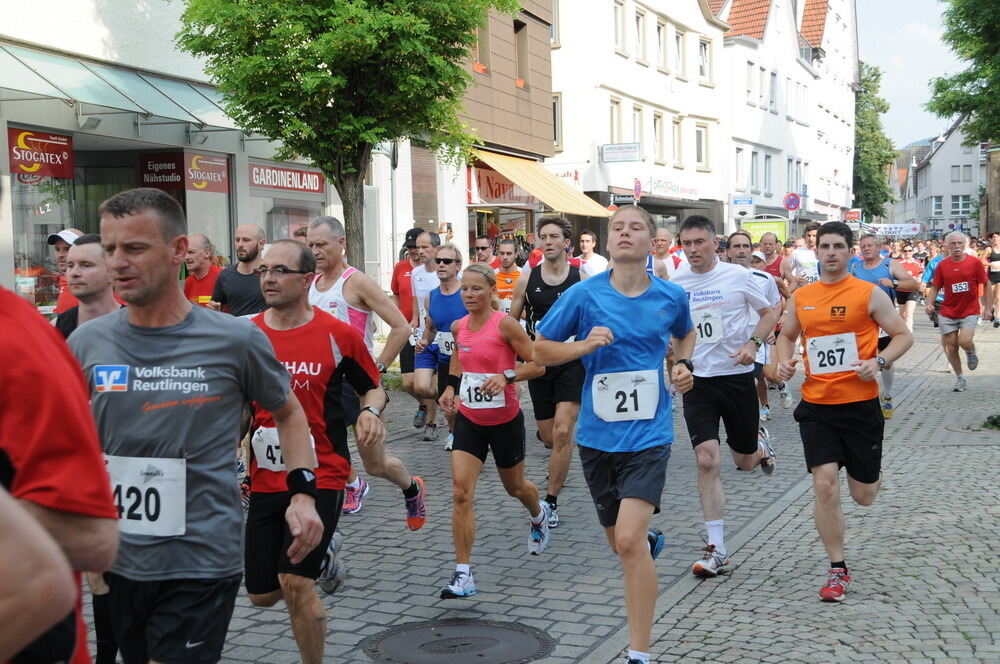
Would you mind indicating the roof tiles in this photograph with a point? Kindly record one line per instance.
(748, 18)
(716, 6)
(814, 21)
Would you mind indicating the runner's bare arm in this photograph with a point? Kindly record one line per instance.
(660, 269)
(369, 429)
(680, 376)
(785, 348)
(376, 300)
(550, 353)
(519, 340)
(429, 329)
(89, 543)
(782, 288)
(883, 311)
(448, 400)
(904, 280)
(517, 299)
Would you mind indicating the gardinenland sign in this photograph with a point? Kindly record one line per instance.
(40, 154)
(289, 179)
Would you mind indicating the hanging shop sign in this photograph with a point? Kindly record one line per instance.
(37, 154)
(162, 170)
(206, 173)
(289, 179)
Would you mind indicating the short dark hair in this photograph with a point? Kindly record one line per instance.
(810, 227)
(301, 231)
(835, 228)
(558, 220)
(483, 237)
(134, 201)
(507, 240)
(697, 221)
(587, 232)
(89, 238)
(743, 233)
(306, 260)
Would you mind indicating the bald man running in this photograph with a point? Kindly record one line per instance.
(237, 288)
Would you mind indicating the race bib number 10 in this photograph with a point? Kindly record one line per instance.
(832, 353)
(708, 323)
(626, 395)
(150, 493)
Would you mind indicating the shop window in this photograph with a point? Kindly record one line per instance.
(481, 50)
(522, 60)
(281, 217)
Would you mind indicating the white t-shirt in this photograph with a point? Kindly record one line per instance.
(593, 265)
(721, 300)
(773, 296)
(803, 263)
(424, 282)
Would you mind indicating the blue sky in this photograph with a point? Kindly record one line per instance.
(903, 38)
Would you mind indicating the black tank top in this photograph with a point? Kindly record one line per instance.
(994, 256)
(539, 296)
(66, 322)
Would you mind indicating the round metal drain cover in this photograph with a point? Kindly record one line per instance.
(458, 640)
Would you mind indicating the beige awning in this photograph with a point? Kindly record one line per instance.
(543, 185)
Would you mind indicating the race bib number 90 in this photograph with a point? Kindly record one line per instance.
(150, 494)
(625, 395)
(473, 396)
(446, 343)
(832, 353)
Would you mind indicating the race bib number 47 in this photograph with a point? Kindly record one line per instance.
(832, 353)
(626, 395)
(150, 493)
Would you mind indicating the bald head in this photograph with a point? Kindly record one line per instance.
(661, 243)
(199, 255)
(249, 242)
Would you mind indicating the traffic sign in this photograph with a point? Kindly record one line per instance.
(792, 202)
(623, 199)
(637, 189)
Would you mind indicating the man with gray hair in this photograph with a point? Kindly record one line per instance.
(202, 272)
(959, 277)
(237, 288)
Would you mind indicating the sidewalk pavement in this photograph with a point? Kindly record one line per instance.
(923, 584)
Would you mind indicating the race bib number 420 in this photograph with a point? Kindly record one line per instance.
(626, 395)
(150, 494)
(832, 353)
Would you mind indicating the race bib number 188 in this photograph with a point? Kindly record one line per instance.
(150, 493)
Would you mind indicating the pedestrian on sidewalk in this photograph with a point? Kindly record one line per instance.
(840, 420)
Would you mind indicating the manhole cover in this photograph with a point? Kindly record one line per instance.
(457, 640)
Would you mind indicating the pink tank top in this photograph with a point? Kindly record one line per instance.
(482, 354)
(333, 302)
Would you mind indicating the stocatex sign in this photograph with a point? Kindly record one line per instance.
(39, 154)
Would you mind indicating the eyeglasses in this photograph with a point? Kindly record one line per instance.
(445, 261)
(278, 271)
(907, 251)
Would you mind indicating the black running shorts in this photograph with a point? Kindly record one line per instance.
(902, 297)
(268, 538)
(406, 359)
(613, 476)
(505, 440)
(733, 399)
(848, 434)
(560, 383)
(176, 621)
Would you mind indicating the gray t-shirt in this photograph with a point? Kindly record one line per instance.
(168, 402)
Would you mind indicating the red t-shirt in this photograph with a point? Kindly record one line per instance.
(198, 290)
(959, 282)
(402, 287)
(914, 268)
(310, 354)
(66, 300)
(774, 269)
(49, 450)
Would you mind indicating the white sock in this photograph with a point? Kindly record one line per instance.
(463, 568)
(356, 484)
(887, 376)
(535, 520)
(715, 535)
(641, 656)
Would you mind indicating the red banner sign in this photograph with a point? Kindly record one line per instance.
(162, 170)
(38, 154)
(206, 173)
(291, 179)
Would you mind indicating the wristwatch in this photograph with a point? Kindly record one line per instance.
(381, 367)
(373, 410)
(510, 375)
(881, 362)
(686, 363)
(758, 341)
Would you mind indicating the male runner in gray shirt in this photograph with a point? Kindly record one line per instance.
(168, 382)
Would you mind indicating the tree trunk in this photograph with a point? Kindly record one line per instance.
(351, 187)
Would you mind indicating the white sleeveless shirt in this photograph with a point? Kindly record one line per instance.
(332, 301)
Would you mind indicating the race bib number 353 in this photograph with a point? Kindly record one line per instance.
(626, 395)
(150, 494)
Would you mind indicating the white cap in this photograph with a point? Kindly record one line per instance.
(758, 254)
(67, 235)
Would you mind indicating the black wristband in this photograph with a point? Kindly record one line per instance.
(454, 382)
(687, 363)
(301, 480)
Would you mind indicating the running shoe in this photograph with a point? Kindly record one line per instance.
(331, 572)
(766, 451)
(449, 441)
(959, 385)
(786, 396)
(353, 497)
(836, 586)
(712, 563)
(416, 508)
(430, 432)
(765, 413)
(887, 409)
(245, 494)
(656, 541)
(996, 323)
(420, 418)
(972, 360)
(462, 585)
(553, 516)
(540, 536)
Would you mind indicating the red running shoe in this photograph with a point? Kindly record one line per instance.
(836, 586)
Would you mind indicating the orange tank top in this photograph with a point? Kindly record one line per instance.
(829, 315)
(506, 282)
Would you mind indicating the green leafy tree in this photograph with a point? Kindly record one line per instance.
(331, 79)
(873, 151)
(972, 29)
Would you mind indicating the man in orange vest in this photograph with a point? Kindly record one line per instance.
(840, 419)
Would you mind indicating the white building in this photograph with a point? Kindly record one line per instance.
(639, 104)
(947, 184)
(110, 95)
(792, 75)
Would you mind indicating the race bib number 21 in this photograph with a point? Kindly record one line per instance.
(625, 395)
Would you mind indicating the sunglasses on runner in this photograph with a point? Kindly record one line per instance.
(481, 248)
(444, 261)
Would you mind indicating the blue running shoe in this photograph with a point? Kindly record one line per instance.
(656, 541)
